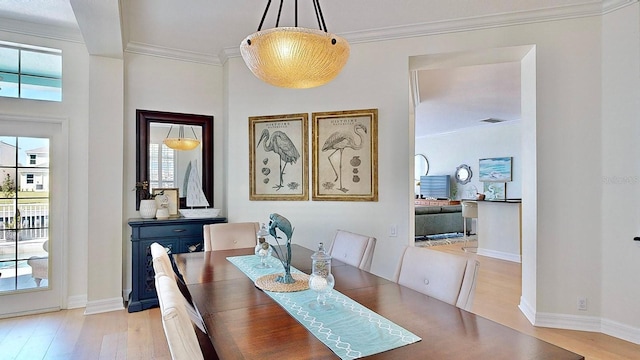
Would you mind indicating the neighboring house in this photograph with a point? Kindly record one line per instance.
(7, 156)
(34, 176)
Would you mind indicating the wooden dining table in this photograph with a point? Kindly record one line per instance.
(245, 323)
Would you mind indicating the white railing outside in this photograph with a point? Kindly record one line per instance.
(34, 221)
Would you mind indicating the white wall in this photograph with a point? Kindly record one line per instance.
(104, 291)
(620, 175)
(446, 152)
(153, 83)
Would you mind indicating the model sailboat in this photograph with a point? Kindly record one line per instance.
(195, 196)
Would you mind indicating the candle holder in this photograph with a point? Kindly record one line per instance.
(321, 280)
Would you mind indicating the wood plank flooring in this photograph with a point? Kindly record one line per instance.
(71, 335)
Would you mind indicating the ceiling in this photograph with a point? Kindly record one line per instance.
(210, 31)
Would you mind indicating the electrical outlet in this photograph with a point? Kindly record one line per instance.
(582, 303)
(393, 230)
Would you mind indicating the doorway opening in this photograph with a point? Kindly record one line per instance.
(523, 57)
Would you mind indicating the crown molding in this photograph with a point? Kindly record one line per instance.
(56, 32)
(169, 53)
(595, 8)
(474, 23)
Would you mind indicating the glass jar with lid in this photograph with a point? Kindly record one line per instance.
(321, 280)
(263, 249)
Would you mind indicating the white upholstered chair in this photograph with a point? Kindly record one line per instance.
(225, 236)
(40, 265)
(160, 260)
(469, 211)
(176, 321)
(447, 277)
(353, 249)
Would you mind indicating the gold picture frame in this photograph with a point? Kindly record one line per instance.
(173, 199)
(345, 155)
(279, 157)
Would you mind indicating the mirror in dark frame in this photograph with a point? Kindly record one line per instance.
(149, 121)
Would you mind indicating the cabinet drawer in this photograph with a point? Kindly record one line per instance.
(170, 231)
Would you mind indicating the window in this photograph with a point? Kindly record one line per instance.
(32, 159)
(161, 166)
(29, 178)
(30, 72)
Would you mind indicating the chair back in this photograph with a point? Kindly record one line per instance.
(469, 209)
(353, 249)
(224, 236)
(177, 324)
(447, 277)
(160, 260)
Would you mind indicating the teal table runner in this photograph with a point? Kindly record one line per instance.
(349, 329)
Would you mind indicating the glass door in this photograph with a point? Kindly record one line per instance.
(30, 226)
(24, 213)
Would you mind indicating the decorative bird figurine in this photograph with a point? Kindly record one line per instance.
(340, 140)
(281, 145)
(278, 221)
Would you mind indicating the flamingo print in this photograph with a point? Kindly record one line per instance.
(340, 140)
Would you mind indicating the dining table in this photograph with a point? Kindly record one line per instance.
(244, 322)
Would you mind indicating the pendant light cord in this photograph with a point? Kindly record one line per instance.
(316, 5)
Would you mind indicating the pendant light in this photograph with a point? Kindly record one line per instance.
(295, 57)
(181, 142)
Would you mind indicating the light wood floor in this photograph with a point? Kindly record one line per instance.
(70, 335)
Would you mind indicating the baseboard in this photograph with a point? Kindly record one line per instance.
(621, 331)
(527, 310)
(500, 255)
(589, 323)
(569, 322)
(30, 312)
(77, 301)
(106, 305)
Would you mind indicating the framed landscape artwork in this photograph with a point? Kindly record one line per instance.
(278, 157)
(495, 169)
(345, 155)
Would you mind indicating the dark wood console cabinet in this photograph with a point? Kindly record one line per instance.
(179, 235)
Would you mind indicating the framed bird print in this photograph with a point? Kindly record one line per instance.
(279, 157)
(345, 155)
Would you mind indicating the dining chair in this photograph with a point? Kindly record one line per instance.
(160, 260)
(447, 277)
(224, 236)
(469, 211)
(40, 265)
(353, 249)
(177, 323)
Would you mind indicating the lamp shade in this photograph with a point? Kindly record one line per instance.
(181, 143)
(295, 57)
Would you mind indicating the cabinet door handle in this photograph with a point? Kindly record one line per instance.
(179, 230)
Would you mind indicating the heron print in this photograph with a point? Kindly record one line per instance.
(278, 156)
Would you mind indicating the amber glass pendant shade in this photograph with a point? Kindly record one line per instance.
(181, 142)
(294, 57)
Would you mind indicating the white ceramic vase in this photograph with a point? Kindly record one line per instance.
(147, 208)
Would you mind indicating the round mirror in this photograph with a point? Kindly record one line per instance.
(421, 166)
(463, 174)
